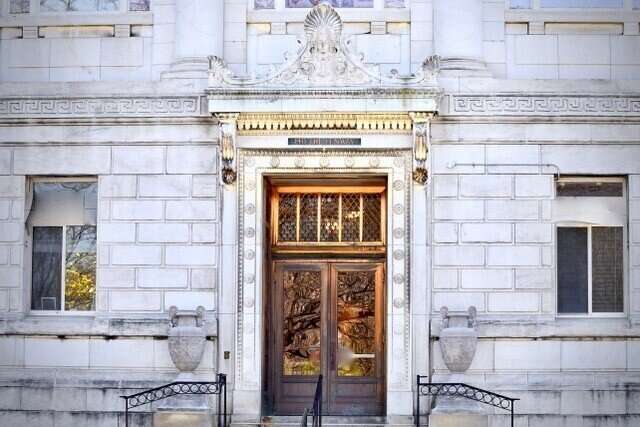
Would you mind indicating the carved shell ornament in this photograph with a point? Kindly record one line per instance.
(325, 59)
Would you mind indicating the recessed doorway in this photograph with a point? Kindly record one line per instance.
(325, 312)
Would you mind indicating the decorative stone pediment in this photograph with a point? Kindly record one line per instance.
(324, 60)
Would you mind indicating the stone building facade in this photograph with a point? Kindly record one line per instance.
(141, 144)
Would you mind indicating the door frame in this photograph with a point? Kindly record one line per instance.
(329, 267)
(242, 327)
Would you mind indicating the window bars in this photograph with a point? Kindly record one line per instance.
(218, 388)
(466, 391)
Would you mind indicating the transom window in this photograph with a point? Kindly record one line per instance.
(591, 238)
(53, 6)
(62, 227)
(280, 4)
(328, 216)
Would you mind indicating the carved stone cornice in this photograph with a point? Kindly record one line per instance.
(545, 104)
(271, 123)
(117, 106)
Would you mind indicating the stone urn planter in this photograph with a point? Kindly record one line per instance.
(458, 339)
(458, 343)
(187, 339)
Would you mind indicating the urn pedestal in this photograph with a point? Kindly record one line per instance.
(186, 341)
(458, 343)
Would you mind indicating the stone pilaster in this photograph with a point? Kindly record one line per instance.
(199, 34)
(458, 36)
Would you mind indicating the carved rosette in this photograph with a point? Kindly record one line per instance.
(187, 340)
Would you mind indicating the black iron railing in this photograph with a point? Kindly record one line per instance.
(316, 409)
(218, 388)
(487, 397)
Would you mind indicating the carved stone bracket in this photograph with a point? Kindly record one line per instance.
(228, 126)
(421, 143)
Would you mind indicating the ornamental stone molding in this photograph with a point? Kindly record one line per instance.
(571, 105)
(325, 74)
(253, 166)
(99, 106)
(325, 59)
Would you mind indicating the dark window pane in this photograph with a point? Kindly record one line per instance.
(589, 189)
(139, 5)
(287, 214)
(606, 269)
(572, 270)
(46, 268)
(80, 268)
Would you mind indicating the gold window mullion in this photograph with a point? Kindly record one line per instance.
(298, 218)
(319, 216)
(361, 216)
(340, 217)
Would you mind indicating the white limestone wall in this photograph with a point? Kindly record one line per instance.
(493, 247)
(158, 234)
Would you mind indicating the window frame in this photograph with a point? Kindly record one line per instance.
(34, 10)
(28, 252)
(589, 226)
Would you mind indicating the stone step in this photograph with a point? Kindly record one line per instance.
(330, 421)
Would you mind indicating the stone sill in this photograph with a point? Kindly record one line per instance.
(546, 328)
(604, 16)
(84, 326)
(347, 15)
(80, 19)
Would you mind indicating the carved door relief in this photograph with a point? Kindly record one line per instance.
(328, 319)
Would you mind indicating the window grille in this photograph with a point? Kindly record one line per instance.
(350, 216)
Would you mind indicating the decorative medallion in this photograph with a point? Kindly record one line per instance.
(275, 162)
(249, 302)
(249, 162)
(250, 254)
(398, 279)
(250, 279)
(398, 162)
(249, 185)
(349, 162)
(374, 162)
(398, 302)
(324, 162)
(299, 162)
(398, 185)
(249, 233)
(398, 233)
(398, 209)
(250, 209)
(398, 254)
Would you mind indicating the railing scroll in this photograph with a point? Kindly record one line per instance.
(424, 388)
(218, 387)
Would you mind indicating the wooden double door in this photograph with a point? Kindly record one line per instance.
(327, 318)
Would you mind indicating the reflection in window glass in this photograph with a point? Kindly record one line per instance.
(78, 5)
(301, 323)
(46, 268)
(19, 6)
(334, 3)
(607, 269)
(581, 3)
(356, 323)
(520, 4)
(264, 4)
(139, 5)
(394, 3)
(80, 268)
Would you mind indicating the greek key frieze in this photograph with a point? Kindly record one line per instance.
(545, 105)
(69, 107)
